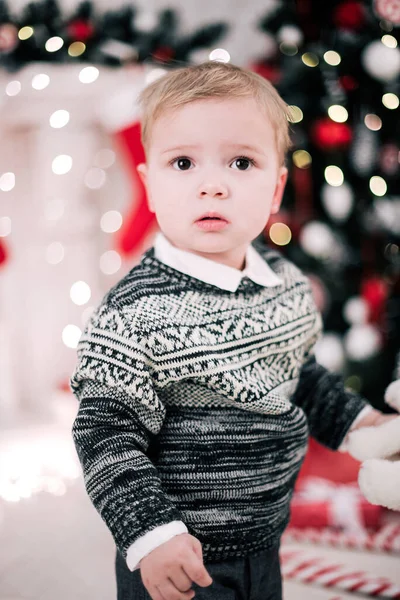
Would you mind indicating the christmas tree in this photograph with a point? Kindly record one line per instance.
(337, 66)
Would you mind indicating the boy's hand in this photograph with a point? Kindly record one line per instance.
(374, 418)
(170, 569)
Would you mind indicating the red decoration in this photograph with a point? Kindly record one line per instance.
(388, 9)
(338, 467)
(349, 15)
(80, 30)
(389, 159)
(3, 254)
(8, 38)
(164, 54)
(267, 71)
(140, 220)
(326, 508)
(348, 83)
(329, 135)
(375, 292)
(302, 183)
(340, 472)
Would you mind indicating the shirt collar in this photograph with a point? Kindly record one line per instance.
(209, 271)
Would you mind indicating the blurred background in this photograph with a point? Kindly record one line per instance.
(74, 220)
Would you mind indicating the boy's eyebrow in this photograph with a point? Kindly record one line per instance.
(182, 147)
(237, 146)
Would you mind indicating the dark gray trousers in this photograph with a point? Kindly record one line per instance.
(253, 578)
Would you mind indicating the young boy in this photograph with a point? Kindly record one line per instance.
(196, 377)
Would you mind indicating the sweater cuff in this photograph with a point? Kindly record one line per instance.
(151, 540)
(364, 412)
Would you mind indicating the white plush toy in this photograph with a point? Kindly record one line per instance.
(379, 450)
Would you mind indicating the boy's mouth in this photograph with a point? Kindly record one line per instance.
(212, 216)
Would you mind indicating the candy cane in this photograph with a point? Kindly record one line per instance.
(311, 569)
(386, 539)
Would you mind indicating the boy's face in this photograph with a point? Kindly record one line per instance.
(213, 155)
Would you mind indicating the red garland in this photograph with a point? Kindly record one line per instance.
(329, 135)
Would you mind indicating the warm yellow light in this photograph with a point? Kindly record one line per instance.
(386, 25)
(25, 33)
(389, 41)
(378, 186)
(280, 234)
(390, 101)
(373, 122)
(334, 175)
(302, 159)
(353, 382)
(295, 114)
(338, 113)
(310, 59)
(332, 58)
(288, 49)
(76, 49)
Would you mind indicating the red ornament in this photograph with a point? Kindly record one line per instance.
(348, 83)
(375, 292)
(164, 54)
(329, 135)
(80, 30)
(349, 15)
(8, 38)
(267, 71)
(388, 9)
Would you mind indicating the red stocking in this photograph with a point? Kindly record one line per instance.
(3, 253)
(139, 220)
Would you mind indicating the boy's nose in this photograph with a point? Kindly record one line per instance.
(215, 190)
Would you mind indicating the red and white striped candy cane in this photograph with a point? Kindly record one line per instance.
(304, 567)
(386, 539)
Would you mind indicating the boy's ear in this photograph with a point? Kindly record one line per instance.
(279, 189)
(142, 172)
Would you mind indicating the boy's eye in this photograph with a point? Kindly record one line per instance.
(181, 164)
(242, 163)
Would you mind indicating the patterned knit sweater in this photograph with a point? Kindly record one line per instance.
(196, 404)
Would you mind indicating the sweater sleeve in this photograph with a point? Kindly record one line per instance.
(330, 408)
(118, 418)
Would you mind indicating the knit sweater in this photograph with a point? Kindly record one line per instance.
(196, 404)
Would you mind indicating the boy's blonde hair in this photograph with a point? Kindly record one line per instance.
(213, 80)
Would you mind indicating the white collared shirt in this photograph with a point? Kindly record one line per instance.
(209, 271)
